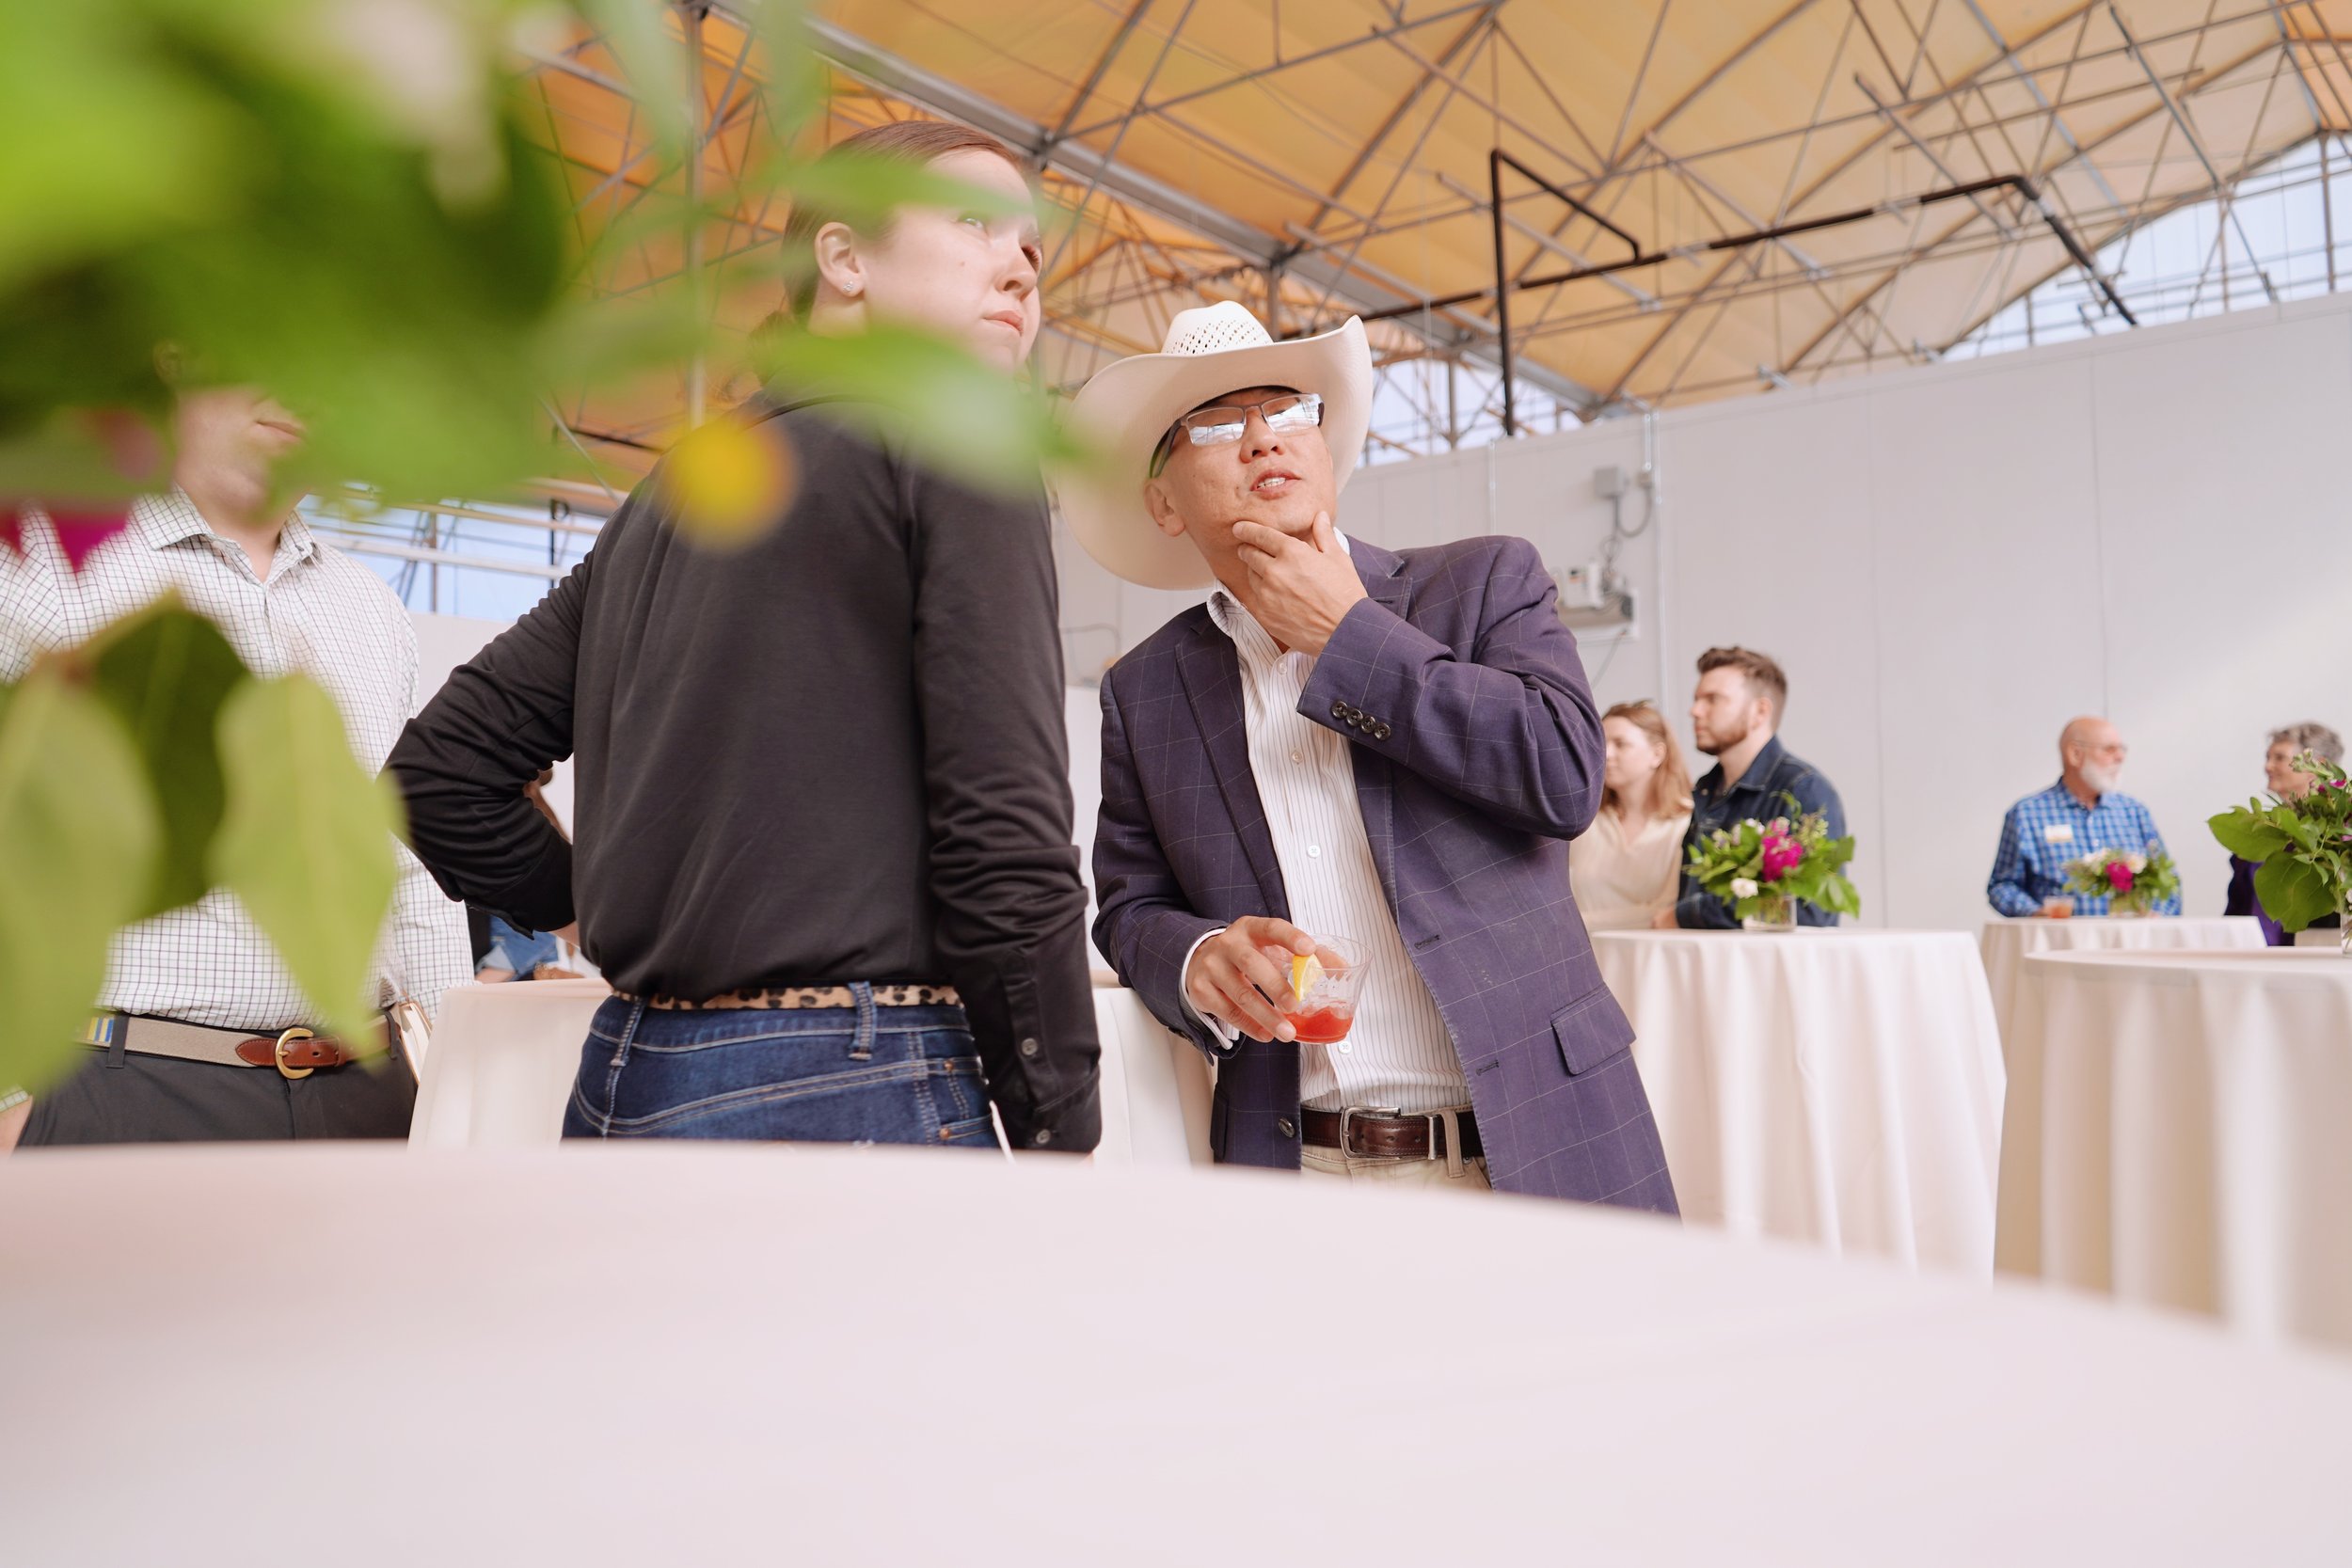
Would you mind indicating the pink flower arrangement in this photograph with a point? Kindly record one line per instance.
(2133, 882)
(1765, 869)
(79, 533)
(1782, 852)
(133, 448)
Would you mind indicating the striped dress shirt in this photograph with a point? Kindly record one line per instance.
(1398, 1055)
(319, 612)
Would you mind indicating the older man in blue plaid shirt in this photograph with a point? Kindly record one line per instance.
(2079, 813)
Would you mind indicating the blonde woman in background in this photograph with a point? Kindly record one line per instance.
(1626, 868)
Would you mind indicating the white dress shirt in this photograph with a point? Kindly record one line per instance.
(319, 612)
(1622, 882)
(1397, 1055)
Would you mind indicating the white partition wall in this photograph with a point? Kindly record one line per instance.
(1984, 622)
(2225, 477)
(446, 642)
(1951, 561)
(1738, 569)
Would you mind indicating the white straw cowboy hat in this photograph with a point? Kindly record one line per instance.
(1129, 405)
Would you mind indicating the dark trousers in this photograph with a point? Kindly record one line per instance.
(121, 1097)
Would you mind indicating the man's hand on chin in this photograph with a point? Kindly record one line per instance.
(1298, 589)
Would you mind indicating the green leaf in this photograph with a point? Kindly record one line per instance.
(861, 190)
(795, 79)
(2293, 893)
(78, 837)
(941, 400)
(62, 457)
(105, 144)
(655, 66)
(165, 672)
(2285, 819)
(2248, 833)
(307, 842)
(219, 177)
(1840, 896)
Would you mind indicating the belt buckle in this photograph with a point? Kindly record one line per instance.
(1436, 1120)
(1348, 1138)
(283, 1071)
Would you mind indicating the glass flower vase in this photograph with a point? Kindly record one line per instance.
(1774, 911)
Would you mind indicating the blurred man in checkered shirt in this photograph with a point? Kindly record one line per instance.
(2083, 812)
(196, 1003)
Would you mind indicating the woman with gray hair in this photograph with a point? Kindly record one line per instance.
(2288, 783)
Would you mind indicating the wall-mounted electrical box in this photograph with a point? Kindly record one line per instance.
(1581, 587)
(1595, 603)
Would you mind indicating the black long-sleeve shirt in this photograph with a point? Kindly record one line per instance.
(836, 754)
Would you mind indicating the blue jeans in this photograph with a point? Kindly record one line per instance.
(519, 952)
(863, 1074)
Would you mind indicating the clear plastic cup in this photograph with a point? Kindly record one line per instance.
(1320, 1003)
(2059, 906)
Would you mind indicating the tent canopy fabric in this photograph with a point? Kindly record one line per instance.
(1315, 161)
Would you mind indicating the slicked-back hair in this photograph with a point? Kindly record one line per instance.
(1763, 674)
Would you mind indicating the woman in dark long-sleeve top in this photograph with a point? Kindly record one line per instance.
(820, 779)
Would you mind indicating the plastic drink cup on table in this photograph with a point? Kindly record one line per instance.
(2057, 907)
(1320, 1001)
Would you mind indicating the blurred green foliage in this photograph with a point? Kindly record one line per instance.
(2302, 846)
(341, 203)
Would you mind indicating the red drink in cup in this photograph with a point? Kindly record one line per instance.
(1325, 1025)
(1320, 1001)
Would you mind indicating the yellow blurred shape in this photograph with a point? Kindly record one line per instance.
(730, 484)
(1306, 969)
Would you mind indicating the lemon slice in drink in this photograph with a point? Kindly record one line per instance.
(1306, 969)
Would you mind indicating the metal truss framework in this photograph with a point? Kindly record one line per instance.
(2100, 118)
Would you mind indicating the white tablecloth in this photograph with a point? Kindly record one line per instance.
(1155, 1087)
(2007, 943)
(2180, 1132)
(1837, 1086)
(500, 1068)
(697, 1354)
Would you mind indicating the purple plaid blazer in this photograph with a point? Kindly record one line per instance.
(1477, 755)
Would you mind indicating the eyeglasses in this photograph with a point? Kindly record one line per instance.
(1222, 425)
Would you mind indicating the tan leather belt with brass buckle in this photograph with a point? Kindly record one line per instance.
(1389, 1135)
(295, 1053)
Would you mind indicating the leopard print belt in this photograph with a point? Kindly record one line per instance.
(794, 997)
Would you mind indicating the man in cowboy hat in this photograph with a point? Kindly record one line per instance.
(1347, 746)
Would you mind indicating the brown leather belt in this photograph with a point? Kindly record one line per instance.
(1386, 1135)
(295, 1053)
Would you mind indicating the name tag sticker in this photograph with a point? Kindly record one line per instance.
(2058, 832)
